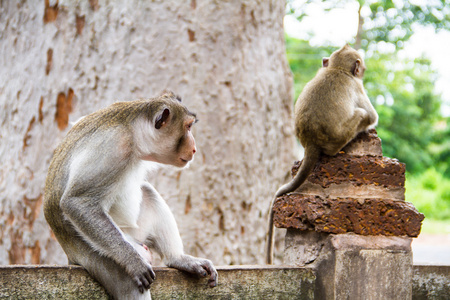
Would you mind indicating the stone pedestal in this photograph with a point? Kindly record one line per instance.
(351, 266)
(350, 222)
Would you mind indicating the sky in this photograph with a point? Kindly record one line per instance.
(341, 26)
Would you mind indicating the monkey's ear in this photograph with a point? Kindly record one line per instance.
(161, 120)
(325, 61)
(357, 69)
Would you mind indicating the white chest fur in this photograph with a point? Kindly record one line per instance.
(127, 197)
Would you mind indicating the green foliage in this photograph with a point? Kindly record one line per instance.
(402, 91)
(388, 21)
(430, 194)
(440, 147)
(304, 61)
(434, 226)
(392, 21)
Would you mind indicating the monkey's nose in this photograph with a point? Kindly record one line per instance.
(194, 150)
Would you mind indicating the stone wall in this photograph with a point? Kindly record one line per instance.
(237, 282)
(431, 282)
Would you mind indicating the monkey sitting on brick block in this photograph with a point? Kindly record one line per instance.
(330, 112)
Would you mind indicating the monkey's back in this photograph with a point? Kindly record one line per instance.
(323, 107)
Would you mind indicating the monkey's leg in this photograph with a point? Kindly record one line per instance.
(360, 121)
(110, 275)
(157, 227)
(349, 130)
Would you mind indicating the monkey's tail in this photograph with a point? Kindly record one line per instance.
(312, 155)
(270, 235)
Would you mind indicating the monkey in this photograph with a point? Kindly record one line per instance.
(101, 208)
(332, 110)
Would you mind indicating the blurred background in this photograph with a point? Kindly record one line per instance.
(239, 65)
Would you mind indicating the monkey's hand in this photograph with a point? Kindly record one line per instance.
(142, 274)
(199, 266)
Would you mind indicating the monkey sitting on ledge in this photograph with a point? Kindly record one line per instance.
(330, 112)
(98, 204)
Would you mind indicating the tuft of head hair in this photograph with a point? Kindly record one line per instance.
(345, 59)
(170, 95)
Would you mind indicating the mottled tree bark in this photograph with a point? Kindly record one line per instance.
(62, 60)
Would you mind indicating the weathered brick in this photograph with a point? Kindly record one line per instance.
(341, 215)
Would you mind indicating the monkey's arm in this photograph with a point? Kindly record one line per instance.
(158, 229)
(363, 102)
(92, 223)
(372, 115)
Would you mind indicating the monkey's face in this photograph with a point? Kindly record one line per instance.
(185, 147)
(167, 137)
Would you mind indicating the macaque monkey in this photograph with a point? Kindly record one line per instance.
(332, 109)
(100, 207)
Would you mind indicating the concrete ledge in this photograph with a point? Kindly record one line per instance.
(431, 282)
(235, 282)
(48, 282)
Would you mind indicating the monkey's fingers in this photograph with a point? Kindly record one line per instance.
(204, 268)
(212, 281)
(142, 284)
(145, 280)
(150, 276)
(198, 266)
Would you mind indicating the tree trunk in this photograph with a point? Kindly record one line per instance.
(359, 33)
(226, 59)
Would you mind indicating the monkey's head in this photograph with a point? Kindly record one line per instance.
(164, 134)
(347, 59)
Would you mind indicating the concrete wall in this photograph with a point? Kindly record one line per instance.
(238, 282)
(235, 282)
(431, 282)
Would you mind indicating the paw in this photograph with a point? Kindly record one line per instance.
(204, 268)
(143, 276)
(198, 266)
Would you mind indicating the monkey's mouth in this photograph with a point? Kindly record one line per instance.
(185, 161)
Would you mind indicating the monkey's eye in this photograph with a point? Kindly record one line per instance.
(189, 125)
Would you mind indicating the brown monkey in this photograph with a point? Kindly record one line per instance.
(97, 202)
(330, 111)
